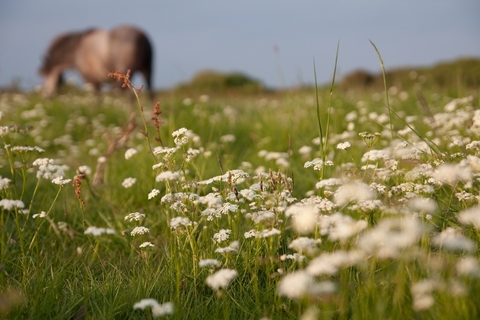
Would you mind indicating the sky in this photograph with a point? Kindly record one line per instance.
(274, 41)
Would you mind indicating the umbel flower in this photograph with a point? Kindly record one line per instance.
(221, 279)
(158, 310)
(139, 230)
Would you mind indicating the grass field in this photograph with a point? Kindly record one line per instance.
(231, 206)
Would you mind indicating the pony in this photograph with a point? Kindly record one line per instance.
(94, 53)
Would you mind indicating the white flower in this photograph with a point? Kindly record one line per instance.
(268, 233)
(329, 263)
(139, 230)
(305, 151)
(233, 247)
(468, 266)
(316, 163)
(179, 132)
(130, 153)
(153, 194)
(342, 227)
(146, 244)
(128, 182)
(305, 245)
(452, 239)
(227, 138)
(179, 221)
(42, 214)
(353, 191)
(304, 217)
(208, 262)
(221, 279)
(60, 181)
(25, 148)
(425, 205)
(222, 235)
(8, 204)
(134, 216)
(4, 183)
(250, 234)
(180, 137)
(167, 176)
(47, 169)
(158, 310)
(85, 170)
(295, 285)
(422, 294)
(391, 236)
(98, 231)
(343, 145)
(452, 173)
(3, 131)
(470, 216)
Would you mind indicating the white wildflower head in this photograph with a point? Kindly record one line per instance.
(316, 163)
(342, 227)
(128, 182)
(422, 294)
(375, 155)
(180, 137)
(391, 236)
(4, 182)
(146, 244)
(305, 151)
(153, 194)
(353, 191)
(422, 205)
(468, 266)
(233, 247)
(98, 231)
(3, 131)
(47, 169)
(329, 263)
(221, 279)
(130, 153)
(295, 285)
(42, 214)
(304, 245)
(451, 174)
(343, 145)
(177, 222)
(134, 216)
(222, 235)
(266, 233)
(470, 216)
(8, 204)
(139, 230)
(158, 310)
(208, 262)
(304, 217)
(227, 138)
(60, 181)
(168, 176)
(85, 170)
(453, 240)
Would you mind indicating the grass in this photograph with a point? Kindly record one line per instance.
(378, 229)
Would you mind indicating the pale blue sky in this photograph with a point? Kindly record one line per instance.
(190, 36)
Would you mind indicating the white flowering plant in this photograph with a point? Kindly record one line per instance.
(232, 206)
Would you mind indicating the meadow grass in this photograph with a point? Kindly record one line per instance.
(233, 207)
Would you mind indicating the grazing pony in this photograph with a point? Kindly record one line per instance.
(94, 53)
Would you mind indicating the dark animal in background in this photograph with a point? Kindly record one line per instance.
(94, 53)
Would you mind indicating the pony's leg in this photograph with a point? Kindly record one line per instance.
(52, 80)
(148, 79)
